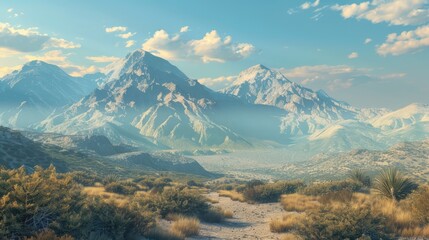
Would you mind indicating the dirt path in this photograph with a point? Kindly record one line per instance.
(250, 221)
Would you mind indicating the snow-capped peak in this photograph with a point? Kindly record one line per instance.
(138, 60)
(259, 73)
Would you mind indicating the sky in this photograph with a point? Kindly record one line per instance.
(368, 53)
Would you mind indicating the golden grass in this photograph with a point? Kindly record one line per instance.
(212, 201)
(421, 232)
(186, 226)
(160, 233)
(291, 236)
(118, 199)
(287, 223)
(299, 203)
(234, 195)
(227, 213)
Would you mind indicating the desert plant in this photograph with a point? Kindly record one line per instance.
(392, 184)
(420, 203)
(319, 189)
(343, 222)
(122, 187)
(360, 177)
(188, 227)
(271, 192)
(299, 203)
(287, 223)
(48, 235)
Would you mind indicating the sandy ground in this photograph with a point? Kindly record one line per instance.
(250, 221)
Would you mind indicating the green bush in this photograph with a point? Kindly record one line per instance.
(344, 222)
(39, 201)
(122, 187)
(319, 189)
(270, 192)
(117, 222)
(175, 201)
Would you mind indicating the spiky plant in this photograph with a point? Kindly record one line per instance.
(360, 177)
(392, 184)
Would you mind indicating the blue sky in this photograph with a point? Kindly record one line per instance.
(368, 53)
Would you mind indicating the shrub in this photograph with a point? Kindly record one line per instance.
(360, 177)
(39, 201)
(299, 203)
(319, 189)
(235, 196)
(48, 235)
(160, 233)
(188, 227)
(341, 196)
(420, 203)
(271, 192)
(214, 215)
(122, 187)
(85, 178)
(117, 222)
(392, 184)
(343, 222)
(287, 223)
(175, 201)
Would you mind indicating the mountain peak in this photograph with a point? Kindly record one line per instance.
(137, 60)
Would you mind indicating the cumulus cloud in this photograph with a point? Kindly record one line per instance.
(115, 29)
(184, 29)
(395, 12)
(10, 10)
(103, 59)
(210, 48)
(218, 83)
(353, 55)
(308, 5)
(130, 43)
(126, 35)
(29, 39)
(368, 40)
(407, 41)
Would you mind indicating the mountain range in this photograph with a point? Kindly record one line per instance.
(146, 102)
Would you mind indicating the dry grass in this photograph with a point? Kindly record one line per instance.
(227, 213)
(420, 232)
(291, 236)
(287, 223)
(186, 226)
(118, 199)
(160, 233)
(212, 201)
(235, 196)
(299, 203)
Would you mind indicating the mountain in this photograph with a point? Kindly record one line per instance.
(30, 94)
(89, 154)
(307, 110)
(147, 100)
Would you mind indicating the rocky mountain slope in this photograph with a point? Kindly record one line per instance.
(30, 94)
(148, 100)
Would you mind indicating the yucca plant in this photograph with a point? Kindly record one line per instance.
(360, 177)
(392, 184)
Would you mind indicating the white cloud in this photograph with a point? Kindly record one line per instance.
(103, 59)
(116, 29)
(184, 29)
(218, 83)
(368, 40)
(405, 42)
(61, 43)
(308, 5)
(395, 12)
(10, 10)
(5, 52)
(353, 55)
(29, 39)
(210, 48)
(130, 43)
(126, 35)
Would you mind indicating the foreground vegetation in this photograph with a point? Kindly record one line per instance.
(44, 204)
